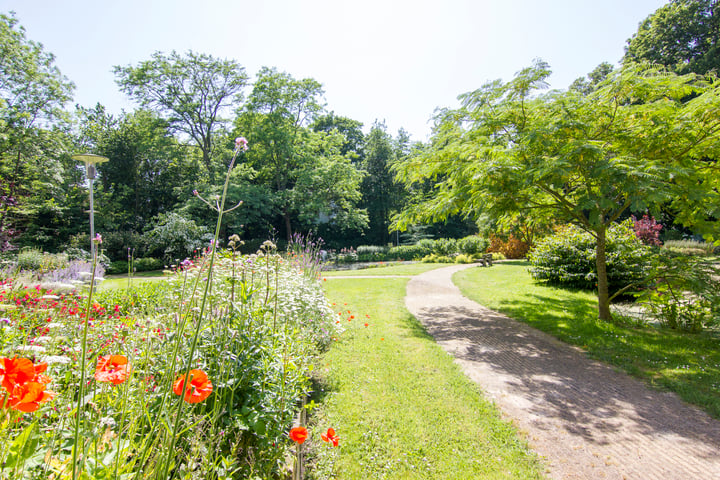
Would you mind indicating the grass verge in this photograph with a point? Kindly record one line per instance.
(403, 269)
(686, 363)
(400, 405)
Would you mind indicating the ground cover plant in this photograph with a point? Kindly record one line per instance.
(686, 363)
(401, 407)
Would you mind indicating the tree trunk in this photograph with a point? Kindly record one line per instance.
(288, 228)
(602, 280)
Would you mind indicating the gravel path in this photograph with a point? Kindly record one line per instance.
(584, 419)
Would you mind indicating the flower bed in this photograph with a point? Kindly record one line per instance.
(187, 377)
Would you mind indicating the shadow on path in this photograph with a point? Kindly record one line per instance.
(586, 419)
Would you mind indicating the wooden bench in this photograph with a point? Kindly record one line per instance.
(486, 260)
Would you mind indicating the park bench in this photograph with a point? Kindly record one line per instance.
(486, 260)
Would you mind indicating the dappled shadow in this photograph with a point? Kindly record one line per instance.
(554, 388)
(560, 382)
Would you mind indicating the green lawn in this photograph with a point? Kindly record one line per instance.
(385, 270)
(121, 281)
(686, 363)
(400, 405)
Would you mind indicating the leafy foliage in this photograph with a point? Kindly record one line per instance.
(647, 230)
(682, 35)
(684, 291)
(568, 258)
(581, 158)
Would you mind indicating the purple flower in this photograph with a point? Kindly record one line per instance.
(98, 239)
(195, 192)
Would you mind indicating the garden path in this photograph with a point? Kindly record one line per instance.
(584, 419)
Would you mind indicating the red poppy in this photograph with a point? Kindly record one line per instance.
(112, 369)
(28, 397)
(16, 371)
(298, 435)
(330, 437)
(198, 389)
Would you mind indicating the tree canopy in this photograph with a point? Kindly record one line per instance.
(683, 35)
(190, 91)
(633, 143)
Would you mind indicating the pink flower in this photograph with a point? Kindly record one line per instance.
(241, 143)
(98, 239)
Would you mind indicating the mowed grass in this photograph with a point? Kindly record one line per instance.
(122, 281)
(408, 269)
(688, 364)
(400, 405)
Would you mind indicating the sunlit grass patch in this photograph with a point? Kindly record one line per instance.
(401, 406)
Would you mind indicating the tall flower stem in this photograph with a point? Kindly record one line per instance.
(239, 146)
(83, 359)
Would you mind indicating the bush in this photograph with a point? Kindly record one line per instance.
(568, 258)
(510, 248)
(684, 292)
(371, 253)
(147, 264)
(408, 252)
(472, 245)
(118, 267)
(175, 237)
(445, 246)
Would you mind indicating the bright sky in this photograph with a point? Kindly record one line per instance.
(391, 60)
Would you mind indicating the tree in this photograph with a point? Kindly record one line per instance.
(380, 192)
(33, 126)
(683, 35)
(629, 145)
(349, 128)
(146, 172)
(274, 120)
(190, 92)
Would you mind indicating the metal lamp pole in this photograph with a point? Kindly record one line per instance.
(90, 161)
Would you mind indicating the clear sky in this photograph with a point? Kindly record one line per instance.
(391, 60)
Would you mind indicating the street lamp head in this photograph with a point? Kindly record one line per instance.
(90, 161)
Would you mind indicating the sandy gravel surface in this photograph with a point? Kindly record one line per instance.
(583, 418)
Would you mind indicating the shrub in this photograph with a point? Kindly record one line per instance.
(435, 258)
(472, 245)
(175, 237)
(568, 258)
(510, 248)
(371, 253)
(684, 292)
(647, 230)
(445, 246)
(147, 264)
(408, 252)
(118, 267)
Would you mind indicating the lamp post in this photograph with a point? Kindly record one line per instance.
(90, 161)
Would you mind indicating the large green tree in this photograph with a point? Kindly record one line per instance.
(683, 35)
(294, 161)
(33, 127)
(190, 91)
(631, 144)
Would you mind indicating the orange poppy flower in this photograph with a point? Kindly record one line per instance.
(330, 437)
(112, 369)
(298, 435)
(16, 371)
(28, 397)
(199, 387)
